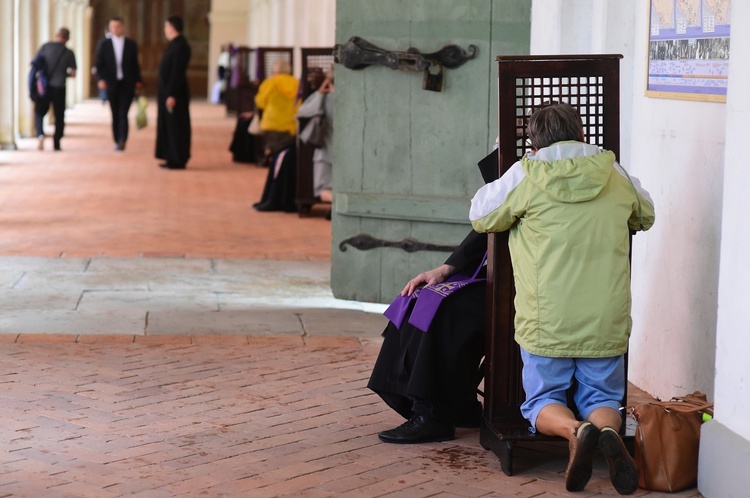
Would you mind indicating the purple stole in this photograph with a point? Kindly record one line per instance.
(425, 301)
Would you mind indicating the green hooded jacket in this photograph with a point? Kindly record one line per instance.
(570, 209)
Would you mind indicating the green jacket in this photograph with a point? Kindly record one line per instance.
(570, 208)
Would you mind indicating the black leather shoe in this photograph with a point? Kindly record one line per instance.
(419, 429)
(171, 166)
(267, 207)
(120, 146)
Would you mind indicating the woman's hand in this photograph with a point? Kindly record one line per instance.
(434, 276)
(326, 86)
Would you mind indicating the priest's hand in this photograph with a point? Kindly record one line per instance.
(434, 276)
(170, 103)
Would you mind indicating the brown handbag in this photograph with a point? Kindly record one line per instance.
(666, 442)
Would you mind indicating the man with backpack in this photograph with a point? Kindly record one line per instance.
(53, 64)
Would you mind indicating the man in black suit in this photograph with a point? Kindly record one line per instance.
(119, 73)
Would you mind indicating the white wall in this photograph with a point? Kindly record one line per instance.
(229, 24)
(270, 23)
(292, 23)
(678, 153)
(676, 149)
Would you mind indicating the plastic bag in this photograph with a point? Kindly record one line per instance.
(140, 118)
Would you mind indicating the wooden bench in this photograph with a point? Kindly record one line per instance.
(590, 83)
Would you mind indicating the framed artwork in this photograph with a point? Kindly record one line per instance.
(688, 49)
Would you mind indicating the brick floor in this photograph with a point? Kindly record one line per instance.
(273, 416)
(100, 415)
(89, 200)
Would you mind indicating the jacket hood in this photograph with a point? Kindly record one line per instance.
(287, 84)
(569, 172)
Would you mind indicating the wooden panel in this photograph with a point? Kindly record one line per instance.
(407, 155)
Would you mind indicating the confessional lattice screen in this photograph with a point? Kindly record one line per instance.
(270, 57)
(585, 93)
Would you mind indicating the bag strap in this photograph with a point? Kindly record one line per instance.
(681, 406)
(694, 402)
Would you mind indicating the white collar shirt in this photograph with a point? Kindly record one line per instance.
(118, 44)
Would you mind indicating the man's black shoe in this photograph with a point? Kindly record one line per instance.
(120, 146)
(419, 429)
(171, 166)
(266, 207)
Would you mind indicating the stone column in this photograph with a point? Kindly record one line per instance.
(7, 49)
(84, 62)
(26, 47)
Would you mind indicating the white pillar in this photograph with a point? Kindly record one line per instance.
(78, 37)
(228, 24)
(7, 48)
(25, 50)
(725, 441)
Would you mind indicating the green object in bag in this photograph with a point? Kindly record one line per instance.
(140, 118)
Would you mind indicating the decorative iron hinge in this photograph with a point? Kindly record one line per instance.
(358, 53)
(365, 242)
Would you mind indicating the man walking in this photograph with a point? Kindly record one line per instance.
(60, 63)
(119, 73)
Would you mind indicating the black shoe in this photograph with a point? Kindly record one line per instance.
(622, 470)
(57, 145)
(582, 448)
(419, 429)
(266, 207)
(120, 146)
(471, 418)
(171, 166)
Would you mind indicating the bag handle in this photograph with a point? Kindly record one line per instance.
(695, 402)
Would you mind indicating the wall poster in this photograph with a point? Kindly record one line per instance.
(688, 49)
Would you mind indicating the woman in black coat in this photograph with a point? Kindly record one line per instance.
(173, 122)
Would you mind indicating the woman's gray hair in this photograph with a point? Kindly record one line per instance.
(554, 123)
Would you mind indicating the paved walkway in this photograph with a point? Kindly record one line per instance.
(160, 338)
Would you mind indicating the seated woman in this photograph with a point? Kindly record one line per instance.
(277, 99)
(320, 103)
(430, 377)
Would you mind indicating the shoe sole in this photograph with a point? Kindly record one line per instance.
(436, 439)
(580, 468)
(622, 470)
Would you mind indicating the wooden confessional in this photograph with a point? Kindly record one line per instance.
(590, 83)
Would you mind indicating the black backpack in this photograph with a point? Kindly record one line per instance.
(38, 78)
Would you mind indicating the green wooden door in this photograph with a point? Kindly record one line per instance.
(404, 157)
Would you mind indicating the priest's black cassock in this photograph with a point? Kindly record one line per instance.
(435, 373)
(173, 127)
